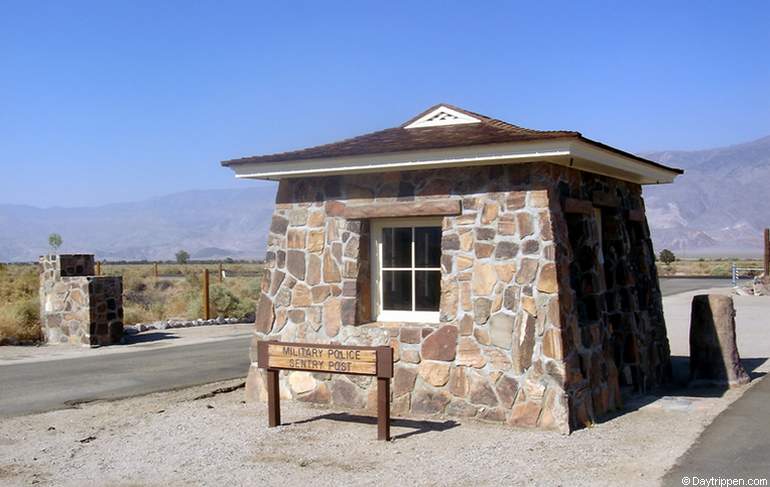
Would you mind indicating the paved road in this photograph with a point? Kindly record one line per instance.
(44, 386)
(669, 286)
(735, 445)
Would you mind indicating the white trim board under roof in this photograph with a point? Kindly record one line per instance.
(434, 139)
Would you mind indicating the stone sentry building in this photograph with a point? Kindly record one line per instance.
(510, 269)
(77, 307)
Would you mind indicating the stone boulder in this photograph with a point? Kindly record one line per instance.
(714, 357)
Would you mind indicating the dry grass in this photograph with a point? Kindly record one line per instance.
(704, 267)
(177, 293)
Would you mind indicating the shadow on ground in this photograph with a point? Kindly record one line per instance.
(678, 392)
(417, 426)
(149, 337)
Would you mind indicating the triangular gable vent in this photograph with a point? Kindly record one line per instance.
(442, 116)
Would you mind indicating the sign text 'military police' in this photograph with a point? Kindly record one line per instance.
(323, 359)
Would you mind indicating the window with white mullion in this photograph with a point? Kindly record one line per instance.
(409, 273)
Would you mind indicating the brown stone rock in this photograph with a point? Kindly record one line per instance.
(525, 224)
(484, 279)
(411, 356)
(313, 270)
(345, 393)
(546, 229)
(506, 250)
(714, 354)
(505, 272)
(466, 325)
(316, 219)
(426, 400)
(410, 334)
(463, 262)
(458, 381)
(516, 200)
(492, 415)
(482, 336)
(434, 373)
(403, 380)
(538, 199)
(511, 297)
(399, 406)
(530, 246)
(450, 242)
(461, 409)
(297, 315)
(320, 293)
(528, 304)
(501, 330)
(296, 238)
(301, 382)
(276, 281)
(315, 241)
(481, 310)
(483, 250)
(465, 296)
(489, 214)
(527, 271)
(523, 343)
(295, 263)
(441, 344)
(481, 392)
(507, 387)
(279, 225)
(466, 240)
(301, 295)
(449, 300)
(265, 314)
(331, 271)
(552, 346)
(332, 317)
(351, 248)
(334, 208)
(348, 311)
(320, 395)
(524, 414)
(469, 354)
(483, 233)
(547, 282)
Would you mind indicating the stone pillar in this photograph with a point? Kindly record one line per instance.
(714, 355)
(77, 307)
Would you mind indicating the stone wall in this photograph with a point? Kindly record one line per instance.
(508, 348)
(613, 330)
(77, 308)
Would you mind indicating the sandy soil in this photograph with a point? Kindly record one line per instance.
(175, 439)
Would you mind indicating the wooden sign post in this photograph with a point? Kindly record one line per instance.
(335, 359)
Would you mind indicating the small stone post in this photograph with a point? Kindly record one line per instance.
(714, 357)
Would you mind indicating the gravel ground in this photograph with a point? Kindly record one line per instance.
(172, 439)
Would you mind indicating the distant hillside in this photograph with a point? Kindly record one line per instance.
(719, 206)
(209, 224)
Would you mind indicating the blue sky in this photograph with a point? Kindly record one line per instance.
(115, 101)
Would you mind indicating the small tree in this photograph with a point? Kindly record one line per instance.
(182, 257)
(55, 241)
(667, 257)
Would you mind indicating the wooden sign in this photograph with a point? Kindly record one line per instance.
(335, 359)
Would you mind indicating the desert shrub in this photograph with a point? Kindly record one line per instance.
(226, 303)
(20, 319)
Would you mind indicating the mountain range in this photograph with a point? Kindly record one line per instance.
(715, 209)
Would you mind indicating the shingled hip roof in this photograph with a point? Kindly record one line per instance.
(438, 129)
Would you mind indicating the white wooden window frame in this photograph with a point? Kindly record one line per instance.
(378, 313)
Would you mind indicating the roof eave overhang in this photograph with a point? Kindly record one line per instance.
(573, 152)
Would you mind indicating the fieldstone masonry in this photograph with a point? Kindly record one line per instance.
(77, 307)
(544, 317)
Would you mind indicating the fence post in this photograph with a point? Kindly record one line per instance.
(767, 254)
(220, 272)
(206, 308)
(156, 270)
(98, 268)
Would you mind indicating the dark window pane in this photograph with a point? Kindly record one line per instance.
(427, 246)
(396, 247)
(397, 290)
(427, 289)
